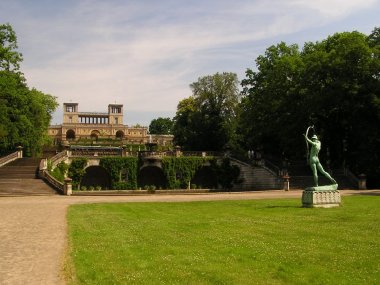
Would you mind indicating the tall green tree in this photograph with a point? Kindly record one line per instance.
(207, 120)
(333, 84)
(10, 58)
(25, 113)
(161, 126)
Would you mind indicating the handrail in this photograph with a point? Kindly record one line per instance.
(44, 174)
(9, 158)
(351, 176)
(272, 167)
(58, 158)
(53, 182)
(95, 152)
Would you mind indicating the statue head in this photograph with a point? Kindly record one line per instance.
(314, 137)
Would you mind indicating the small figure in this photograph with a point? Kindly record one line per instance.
(314, 160)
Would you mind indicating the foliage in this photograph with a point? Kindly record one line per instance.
(227, 174)
(25, 113)
(123, 171)
(225, 242)
(180, 170)
(161, 126)
(76, 171)
(333, 84)
(59, 171)
(10, 58)
(207, 119)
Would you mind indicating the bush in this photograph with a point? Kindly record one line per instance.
(121, 186)
(83, 188)
(151, 189)
(98, 188)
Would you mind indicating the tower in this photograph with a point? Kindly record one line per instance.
(70, 113)
(115, 114)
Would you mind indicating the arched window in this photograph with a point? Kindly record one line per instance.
(95, 135)
(70, 135)
(119, 134)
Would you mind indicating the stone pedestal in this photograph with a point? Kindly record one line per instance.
(67, 187)
(362, 182)
(321, 198)
(285, 180)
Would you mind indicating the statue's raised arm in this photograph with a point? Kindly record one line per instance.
(307, 143)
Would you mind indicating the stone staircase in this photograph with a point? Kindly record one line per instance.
(18, 178)
(255, 177)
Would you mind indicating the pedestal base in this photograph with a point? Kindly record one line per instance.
(321, 199)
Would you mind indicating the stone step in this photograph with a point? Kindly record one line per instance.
(255, 178)
(24, 187)
(25, 161)
(18, 178)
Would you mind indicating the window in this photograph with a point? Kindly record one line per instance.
(69, 109)
(116, 121)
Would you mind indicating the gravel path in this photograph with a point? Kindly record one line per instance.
(33, 229)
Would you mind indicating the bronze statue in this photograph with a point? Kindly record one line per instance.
(313, 159)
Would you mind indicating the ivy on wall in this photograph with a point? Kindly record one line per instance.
(76, 170)
(180, 170)
(123, 171)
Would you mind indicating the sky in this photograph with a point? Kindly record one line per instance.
(145, 54)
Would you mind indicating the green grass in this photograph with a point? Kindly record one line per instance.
(226, 242)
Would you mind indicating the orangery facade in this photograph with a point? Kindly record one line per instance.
(80, 126)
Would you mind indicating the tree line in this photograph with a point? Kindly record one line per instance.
(333, 84)
(25, 113)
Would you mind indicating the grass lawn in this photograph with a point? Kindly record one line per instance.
(225, 242)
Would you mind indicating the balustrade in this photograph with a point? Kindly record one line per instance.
(10, 157)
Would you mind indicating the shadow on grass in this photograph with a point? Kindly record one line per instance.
(367, 194)
(284, 206)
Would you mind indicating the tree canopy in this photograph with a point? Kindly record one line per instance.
(25, 113)
(206, 120)
(333, 84)
(161, 126)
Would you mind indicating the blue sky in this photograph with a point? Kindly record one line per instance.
(145, 54)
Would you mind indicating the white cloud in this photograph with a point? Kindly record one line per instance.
(334, 8)
(145, 54)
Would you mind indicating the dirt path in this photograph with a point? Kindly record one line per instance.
(33, 229)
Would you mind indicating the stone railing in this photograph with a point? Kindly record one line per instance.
(11, 157)
(95, 152)
(160, 154)
(201, 153)
(152, 154)
(64, 188)
(264, 163)
(56, 159)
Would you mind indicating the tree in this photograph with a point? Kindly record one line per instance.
(161, 126)
(10, 58)
(25, 113)
(333, 84)
(271, 102)
(207, 119)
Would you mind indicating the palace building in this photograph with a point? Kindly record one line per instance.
(79, 126)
